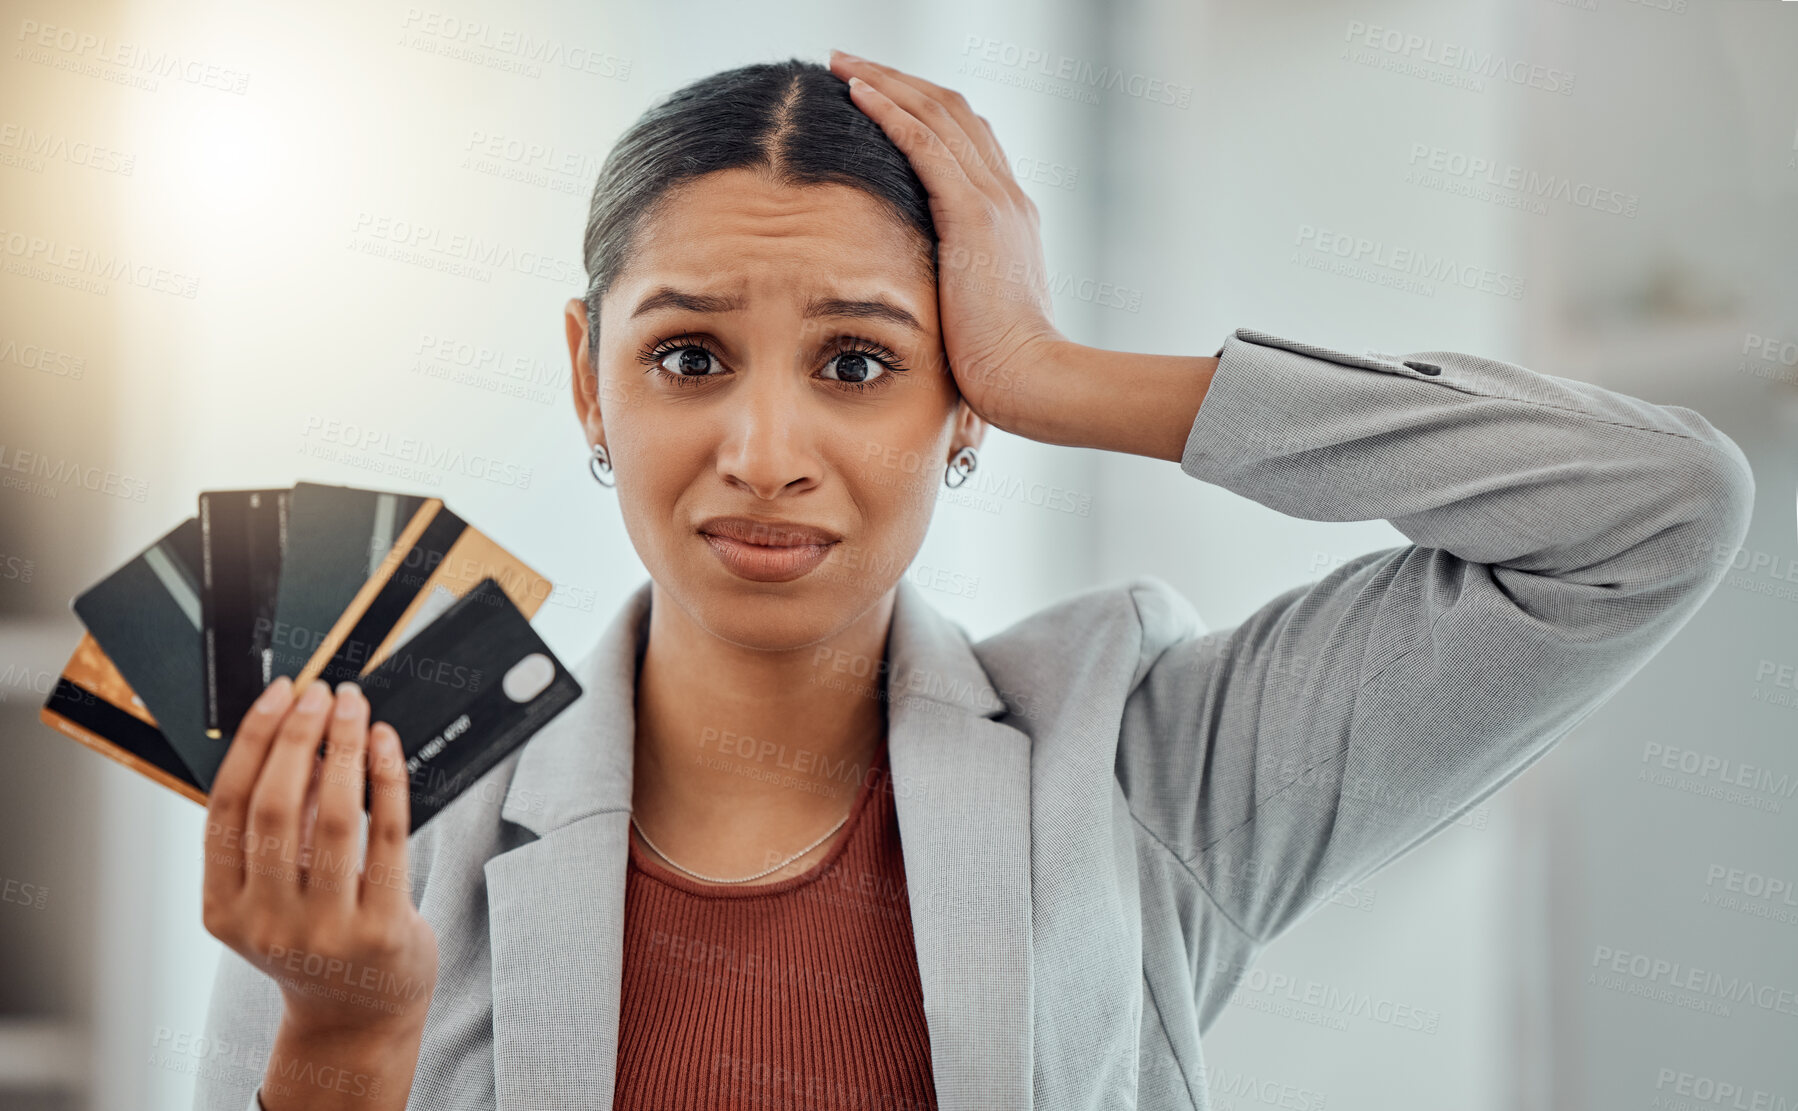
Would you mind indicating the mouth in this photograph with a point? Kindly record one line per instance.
(767, 551)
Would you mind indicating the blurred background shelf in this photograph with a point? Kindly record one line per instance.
(39, 1055)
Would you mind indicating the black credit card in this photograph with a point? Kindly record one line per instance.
(242, 535)
(463, 692)
(146, 618)
(337, 539)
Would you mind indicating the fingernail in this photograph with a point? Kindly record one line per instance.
(272, 695)
(348, 694)
(317, 696)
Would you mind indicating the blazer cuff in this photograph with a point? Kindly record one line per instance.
(1235, 418)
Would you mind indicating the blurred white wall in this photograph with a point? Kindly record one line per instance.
(278, 199)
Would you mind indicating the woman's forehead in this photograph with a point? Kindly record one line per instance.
(742, 225)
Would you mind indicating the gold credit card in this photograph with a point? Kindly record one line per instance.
(93, 704)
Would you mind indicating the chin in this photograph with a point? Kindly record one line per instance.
(773, 616)
(769, 623)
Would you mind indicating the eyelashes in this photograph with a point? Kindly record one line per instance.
(890, 364)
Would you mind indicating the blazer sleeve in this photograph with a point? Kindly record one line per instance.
(1560, 534)
(241, 1024)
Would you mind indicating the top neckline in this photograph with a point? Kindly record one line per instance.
(645, 861)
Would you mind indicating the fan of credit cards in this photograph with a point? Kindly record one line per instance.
(393, 591)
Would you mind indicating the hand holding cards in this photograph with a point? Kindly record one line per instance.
(393, 591)
(290, 890)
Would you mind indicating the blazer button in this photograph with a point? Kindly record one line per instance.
(1422, 367)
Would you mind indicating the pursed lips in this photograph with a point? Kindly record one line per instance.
(768, 534)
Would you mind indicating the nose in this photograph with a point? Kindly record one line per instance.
(769, 447)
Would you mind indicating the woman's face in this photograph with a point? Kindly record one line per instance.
(772, 354)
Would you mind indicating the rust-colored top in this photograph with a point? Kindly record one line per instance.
(802, 993)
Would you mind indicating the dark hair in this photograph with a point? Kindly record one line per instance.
(792, 119)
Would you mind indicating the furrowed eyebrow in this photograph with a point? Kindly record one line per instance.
(877, 309)
(667, 297)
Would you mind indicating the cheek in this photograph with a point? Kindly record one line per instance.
(623, 385)
(654, 465)
(894, 480)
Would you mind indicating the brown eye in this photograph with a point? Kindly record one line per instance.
(855, 368)
(688, 362)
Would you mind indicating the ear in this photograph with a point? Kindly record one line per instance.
(583, 376)
(970, 429)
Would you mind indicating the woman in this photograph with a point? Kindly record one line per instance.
(801, 843)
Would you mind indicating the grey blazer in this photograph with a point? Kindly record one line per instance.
(1106, 811)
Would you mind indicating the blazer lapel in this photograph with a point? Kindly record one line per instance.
(961, 783)
(961, 786)
(555, 904)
